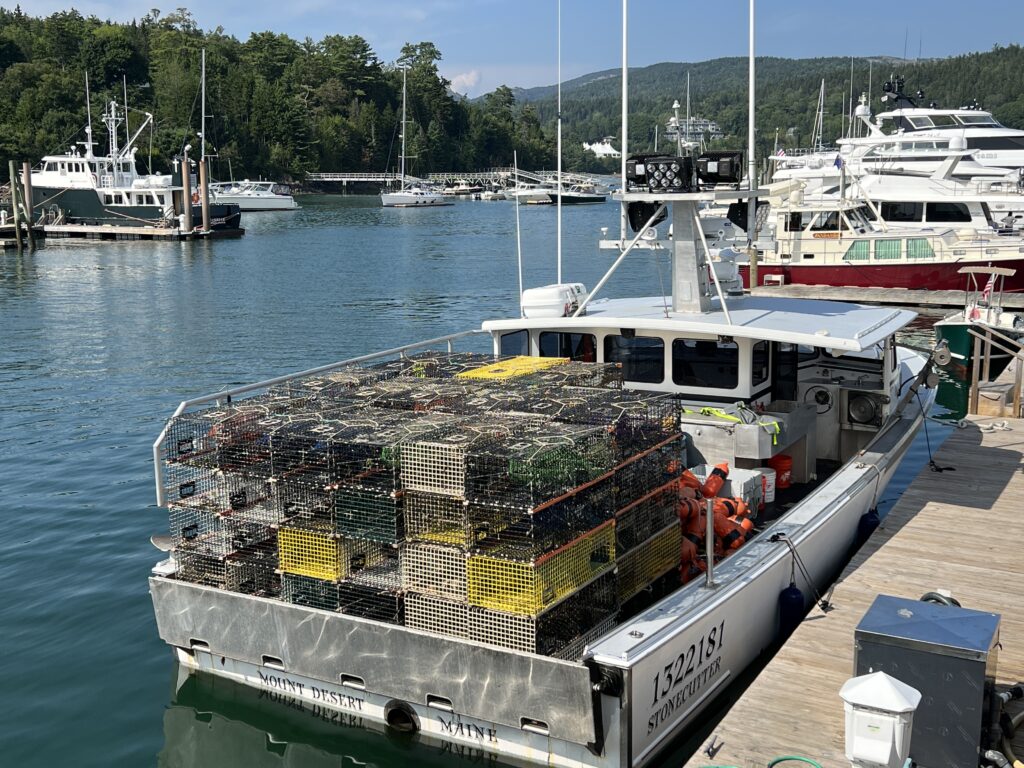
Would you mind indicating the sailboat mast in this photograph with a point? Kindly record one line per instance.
(127, 130)
(88, 115)
(559, 213)
(751, 161)
(202, 125)
(687, 107)
(401, 161)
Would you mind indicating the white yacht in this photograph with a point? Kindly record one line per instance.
(407, 196)
(253, 195)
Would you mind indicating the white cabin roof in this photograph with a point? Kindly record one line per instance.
(834, 325)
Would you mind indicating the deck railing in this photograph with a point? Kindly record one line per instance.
(986, 340)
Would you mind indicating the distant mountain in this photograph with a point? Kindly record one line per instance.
(787, 93)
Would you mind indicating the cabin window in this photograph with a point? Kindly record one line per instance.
(575, 346)
(793, 222)
(642, 357)
(705, 363)
(919, 248)
(51, 167)
(64, 168)
(829, 222)
(759, 364)
(806, 352)
(108, 199)
(902, 211)
(118, 199)
(858, 251)
(887, 249)
(514, 343)
(921, 122)
(160, 199)
(947, 212)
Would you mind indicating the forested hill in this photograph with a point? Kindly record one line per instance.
(282, 107)
(279, 107)
(787, 93)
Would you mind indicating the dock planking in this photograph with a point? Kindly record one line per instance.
(957, 530)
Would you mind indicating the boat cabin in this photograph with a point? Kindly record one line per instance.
(791, 376)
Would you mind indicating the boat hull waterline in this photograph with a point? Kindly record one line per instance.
(358, 666)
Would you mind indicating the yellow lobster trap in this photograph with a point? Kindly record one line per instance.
(499, 581)
(313, 549)
(642, 565)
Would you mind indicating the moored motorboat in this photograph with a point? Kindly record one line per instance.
(983, 311)
(253, 195)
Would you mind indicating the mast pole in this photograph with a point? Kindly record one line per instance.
(202, 124)
(127, 130)
(559, 216)
(687, 107)
(88, 114)
(519, 242)
(401, 165)
(625, 121)
(751, 162)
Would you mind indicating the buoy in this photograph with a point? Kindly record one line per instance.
(689, 480)
(715, 480)
(791, 609)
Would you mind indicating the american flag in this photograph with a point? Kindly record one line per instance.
(989, 286)
(781, 153)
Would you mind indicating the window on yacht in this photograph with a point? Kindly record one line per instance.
(902, 211)
(118, 199)
(63, 168)
(858, 251)
(50, 167)
(794, 222)
(947, 212)
(642, 357)
(977, 120)
(919, 248)
(575, 346)
(996, 142)
(108, 199)
(943, 121)
(759, 370)
(514, 343)
(887, 249)
(921, 122)
(705, 363)
(160, 199)
(826, 222)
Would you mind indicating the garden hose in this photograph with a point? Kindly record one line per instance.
(793, 759)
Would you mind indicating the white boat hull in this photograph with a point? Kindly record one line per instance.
(251, 203)
(411, 200)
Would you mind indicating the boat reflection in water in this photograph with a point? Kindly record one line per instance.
(213, 722)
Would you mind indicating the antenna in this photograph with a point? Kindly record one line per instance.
(559, 235)
(687, 107)
(519, 242)
(751, 162)
(88, 114)
(127, 130)
(625, 120)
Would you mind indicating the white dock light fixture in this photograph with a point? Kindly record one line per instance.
(879, 720)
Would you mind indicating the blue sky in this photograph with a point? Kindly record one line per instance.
(487, 43)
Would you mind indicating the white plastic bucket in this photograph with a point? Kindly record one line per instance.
(768, 484)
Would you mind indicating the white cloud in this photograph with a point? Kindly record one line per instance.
(466, 81)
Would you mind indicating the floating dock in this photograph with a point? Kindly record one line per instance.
(902, 297)
(957, 530)
(114, 232)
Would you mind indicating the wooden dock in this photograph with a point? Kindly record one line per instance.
(128, 232)
(903, 297)
(957, 530)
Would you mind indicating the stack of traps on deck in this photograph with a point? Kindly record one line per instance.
(519, 503)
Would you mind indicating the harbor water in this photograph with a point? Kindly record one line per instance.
(99, 342)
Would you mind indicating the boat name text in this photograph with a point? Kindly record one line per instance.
(455, 727)
(686, 675)
(331, 698)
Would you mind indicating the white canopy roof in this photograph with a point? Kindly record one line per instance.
(830, 324)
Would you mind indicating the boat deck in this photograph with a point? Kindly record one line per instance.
(954, 530)
(902, 297)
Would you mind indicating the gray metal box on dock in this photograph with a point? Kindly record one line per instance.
(946, 653)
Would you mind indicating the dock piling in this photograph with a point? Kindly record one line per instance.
(14, 204)
(26, 177)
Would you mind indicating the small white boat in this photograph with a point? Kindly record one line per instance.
(253, 195)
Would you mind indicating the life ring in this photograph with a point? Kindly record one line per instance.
(195, 198)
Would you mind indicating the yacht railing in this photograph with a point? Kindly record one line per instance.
(981, 364)
(223, 397)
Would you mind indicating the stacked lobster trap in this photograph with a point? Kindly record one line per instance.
(514, 502)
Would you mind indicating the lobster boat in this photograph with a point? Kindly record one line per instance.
(550, 539)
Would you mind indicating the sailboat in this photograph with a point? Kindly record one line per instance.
(409, 196)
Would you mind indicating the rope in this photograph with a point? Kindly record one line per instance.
(928, 442)
(797, 562)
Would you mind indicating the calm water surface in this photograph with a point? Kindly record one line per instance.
(98, 344)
